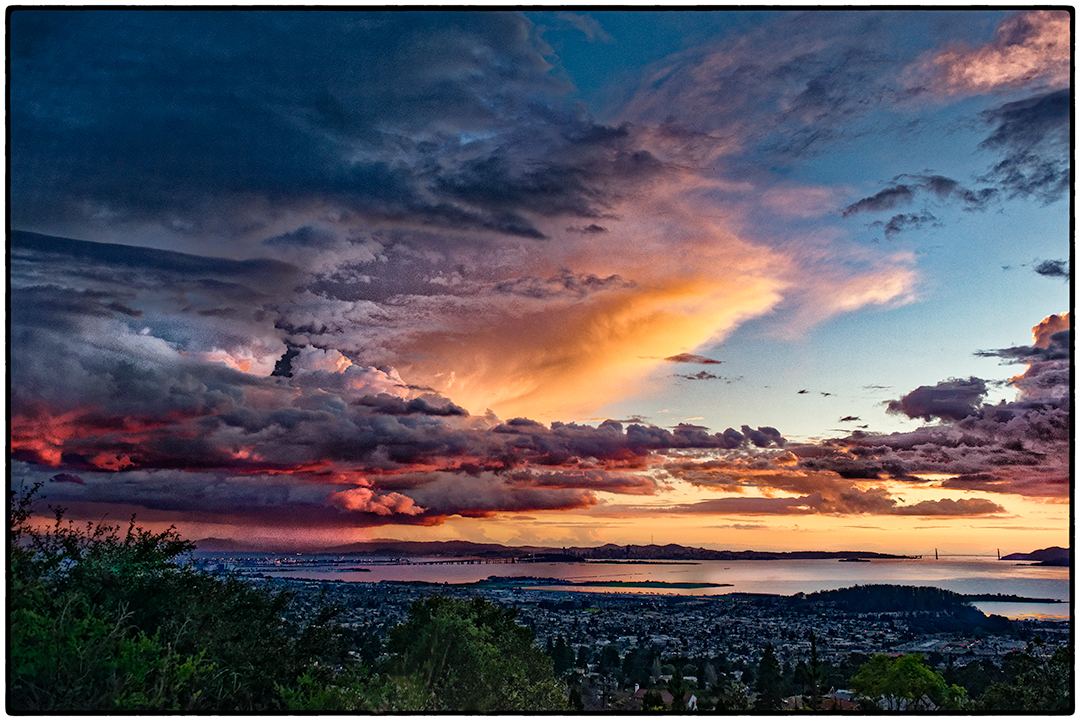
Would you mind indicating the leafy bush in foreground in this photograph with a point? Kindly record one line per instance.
(473, 656)
(101, 620)
(1033, 683)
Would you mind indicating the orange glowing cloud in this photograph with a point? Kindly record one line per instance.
(1040, 376)
(565, 359)
(1048, 326)
(664, 280)
(669, 274)
(1029, 46)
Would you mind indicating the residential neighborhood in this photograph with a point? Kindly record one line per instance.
(620, 646)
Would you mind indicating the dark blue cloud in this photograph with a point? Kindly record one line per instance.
(903, 193)
(791, 87)
(950, 400)
(692, 358)
(1034, 136)
(1053, 268)
(883, 200)
(1056, 349)
(229, 123)
(906, 221)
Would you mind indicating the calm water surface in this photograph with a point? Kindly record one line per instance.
(782, 577)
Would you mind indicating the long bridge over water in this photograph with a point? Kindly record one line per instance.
(556, 558)
(476, 560)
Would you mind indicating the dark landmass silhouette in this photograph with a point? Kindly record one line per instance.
(1052, 556)
(458, 549)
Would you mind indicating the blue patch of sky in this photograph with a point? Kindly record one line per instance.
(966, 300)
(603, 71)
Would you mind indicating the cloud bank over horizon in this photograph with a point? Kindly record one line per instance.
(164, 421)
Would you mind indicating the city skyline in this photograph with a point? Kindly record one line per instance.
(747, 279)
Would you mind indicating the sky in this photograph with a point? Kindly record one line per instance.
(743, 279)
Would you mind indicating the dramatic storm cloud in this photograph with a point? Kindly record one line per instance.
(315, 271)
(248, 137)
(166, 393)
(440, 190)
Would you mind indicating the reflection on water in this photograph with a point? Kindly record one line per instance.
(781, 577)
(1024, 610)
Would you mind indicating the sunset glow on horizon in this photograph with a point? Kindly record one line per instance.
(741, 280)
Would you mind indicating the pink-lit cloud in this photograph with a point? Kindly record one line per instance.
(366, 500)
(848, 504)
(1020, 447)
(1030, 46)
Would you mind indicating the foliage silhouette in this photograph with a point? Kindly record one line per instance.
(1034, 683)
(472, 656)
(768, 684)
(107, 621)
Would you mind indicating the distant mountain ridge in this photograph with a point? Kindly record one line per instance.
(1052, 556)
(673, 551)
(222, 545)
(651, 552)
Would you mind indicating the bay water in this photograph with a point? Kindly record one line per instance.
(785, 577)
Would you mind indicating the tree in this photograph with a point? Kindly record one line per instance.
(840, 675)
(103, 621)
(573, 686)
(678, 688)
(1035, 683)
(320, 690)
(70, 651)
(732, 696)
(473, 657)
(812, 675)
(609, 657)
(711, 678)
(975, 677)
(652, 701)
(562, 656)
(905, 683)
(769, 682)
(584, 656)
(635, 665)
(749, 674)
